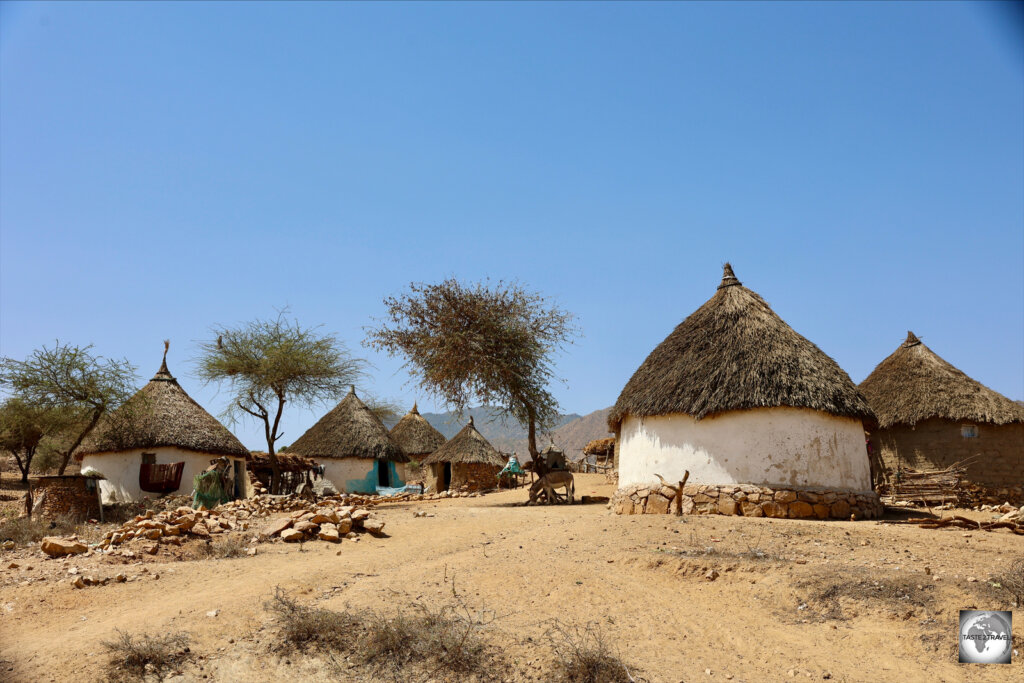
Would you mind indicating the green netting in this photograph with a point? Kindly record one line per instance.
(209, 490)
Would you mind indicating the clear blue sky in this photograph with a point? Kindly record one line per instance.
(165, 167)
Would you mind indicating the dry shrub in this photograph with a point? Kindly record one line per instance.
(447, 638)
(301, 625)
(1012, 581)
(584, 656)
(225, 547)
(443, 639)
(133, 658)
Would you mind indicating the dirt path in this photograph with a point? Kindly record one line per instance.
(642, 579)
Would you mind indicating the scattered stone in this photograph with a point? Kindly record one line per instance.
(121, 578)
(8, 545)
(292, 535)
(374, 526)
(213, 613)
(711, 575)
(58, 547)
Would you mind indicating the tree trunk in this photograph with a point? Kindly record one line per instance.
(25, 466)
(272, 435)
(539, 466)
(65, 457)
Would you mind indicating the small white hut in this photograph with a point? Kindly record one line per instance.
(736, 397)
(137, 446)
(354, 448)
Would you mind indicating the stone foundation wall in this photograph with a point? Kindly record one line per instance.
(474, 477)
(747, 500)
(65, 496)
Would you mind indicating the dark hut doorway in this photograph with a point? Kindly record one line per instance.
(447, 476)
(383, 474)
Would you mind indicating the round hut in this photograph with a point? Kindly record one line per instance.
(417, 438)
(354, 448)
(157, 442)
(931, 416)
(468, 462)
(764, 421)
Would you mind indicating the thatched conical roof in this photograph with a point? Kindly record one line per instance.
(349, 430)
(159, 415)
(415, 435)
(914, 384)
(735, 353)
(468, 446)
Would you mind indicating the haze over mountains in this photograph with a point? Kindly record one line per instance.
(572, 432)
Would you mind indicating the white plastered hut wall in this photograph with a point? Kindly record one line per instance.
(772, 446)
(357, 475)
(121, 471)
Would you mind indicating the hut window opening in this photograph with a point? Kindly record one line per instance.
(149, 458)
(969, 431)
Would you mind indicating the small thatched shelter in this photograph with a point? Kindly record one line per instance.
(158, 428)
(931, 415)
(735, 396)
(354, 448)
(467, 462)
(416, 437)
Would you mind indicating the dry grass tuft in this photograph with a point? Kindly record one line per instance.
(135, 658)
(1012, 581)
(225, 547)
(584, 656)
(25, 530)
(898, 593)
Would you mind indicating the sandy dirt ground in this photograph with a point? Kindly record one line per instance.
(792, 599)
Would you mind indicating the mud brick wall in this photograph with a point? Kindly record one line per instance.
(474, 476)
(67, 496)
(997, 451)
(748, 500)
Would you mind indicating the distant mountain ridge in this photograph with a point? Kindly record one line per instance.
(571, 433)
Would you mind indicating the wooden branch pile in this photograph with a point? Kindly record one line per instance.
(958, 522)
(933, 487)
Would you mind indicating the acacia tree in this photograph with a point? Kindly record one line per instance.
(475, 341)
(267, 363)
(24, 427)
(71, 380)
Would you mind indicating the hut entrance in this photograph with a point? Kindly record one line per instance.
(239, 481)
(383, 474)
(447, 476)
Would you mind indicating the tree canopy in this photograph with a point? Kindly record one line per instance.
(491, 343)
(72, 380)
(268, 363)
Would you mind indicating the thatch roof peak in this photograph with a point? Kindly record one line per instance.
(349, 430)
(736, 353)
(415, 435)
(415, 410)
(729, 278)
(914, 384)
(161, 414)
(468, 446)
(163, 374)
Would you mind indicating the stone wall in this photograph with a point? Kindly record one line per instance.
(997, 453)
(748, 500)
(474, 476)
(73, 497)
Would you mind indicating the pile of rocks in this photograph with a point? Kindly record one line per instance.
(326, 523)
(748, 500)
(171, 526)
